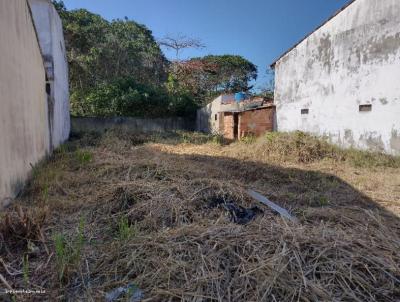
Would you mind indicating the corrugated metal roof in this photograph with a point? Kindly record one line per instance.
(329, 19)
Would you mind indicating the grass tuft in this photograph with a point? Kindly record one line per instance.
(126, 230)
(300, 147)
(69, 252)
(83, 157)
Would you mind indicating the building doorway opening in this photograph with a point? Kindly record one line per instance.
(236, 125)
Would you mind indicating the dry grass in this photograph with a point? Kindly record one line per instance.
(303, 148)
(128, 209)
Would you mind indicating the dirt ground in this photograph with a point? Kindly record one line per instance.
(148, 214)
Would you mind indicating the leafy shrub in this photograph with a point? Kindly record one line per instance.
(126, 97)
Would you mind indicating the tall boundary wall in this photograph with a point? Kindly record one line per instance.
(24, 128)
(342, 81)
(132, 124)
(51, 39)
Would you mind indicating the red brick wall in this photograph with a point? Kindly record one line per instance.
(256, 122)
(228, 126)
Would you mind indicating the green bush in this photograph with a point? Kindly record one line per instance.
(126, 97)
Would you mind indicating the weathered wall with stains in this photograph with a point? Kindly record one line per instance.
(132, 124)
(256, 122)
(352, 60)
(23, 114)
(51, 38)
(208, 119)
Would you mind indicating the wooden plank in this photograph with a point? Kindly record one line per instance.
(283, 212)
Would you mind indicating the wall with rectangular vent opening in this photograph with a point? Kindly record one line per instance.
(342, 81)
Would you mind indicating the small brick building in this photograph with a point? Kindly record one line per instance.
(234, 120)
(236, 124)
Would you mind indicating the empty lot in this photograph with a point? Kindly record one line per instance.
(126, 210)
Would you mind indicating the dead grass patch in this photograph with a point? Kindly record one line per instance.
(300, 147)
(131, 209)
(21, 225)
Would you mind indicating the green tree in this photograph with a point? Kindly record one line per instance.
(133, 51)
(126, 97)
(123, 96)
(86, 42)
(211, 75)
(117, 68)
(101, 53)
(233, 73)
(59, 6)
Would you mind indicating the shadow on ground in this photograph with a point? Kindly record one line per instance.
(144, 218)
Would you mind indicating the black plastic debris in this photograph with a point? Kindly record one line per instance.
(237, 214)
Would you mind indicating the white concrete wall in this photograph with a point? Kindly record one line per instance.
(208, 119)
(353, 59)
(24, 134)
(205, 121)
(51, 37)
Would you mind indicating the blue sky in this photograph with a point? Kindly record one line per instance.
(259, 30)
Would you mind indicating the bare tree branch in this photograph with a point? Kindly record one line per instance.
(179, 43)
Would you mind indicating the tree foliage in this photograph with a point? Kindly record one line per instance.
(126, 97)
(59, 6)
(117, 68)
(105, 56)
(99, 50)
(211, 75)
(233, 73)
